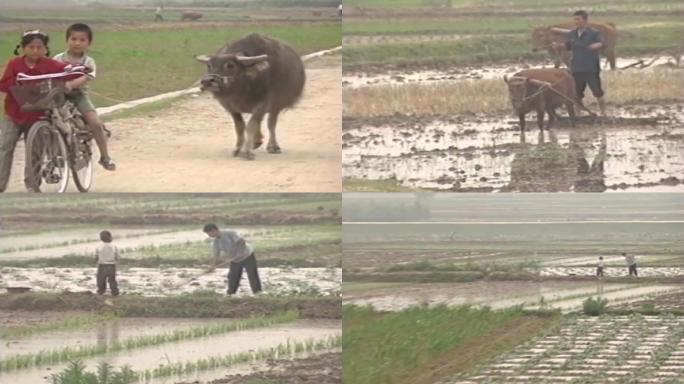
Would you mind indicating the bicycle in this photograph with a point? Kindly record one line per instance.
(60, 143)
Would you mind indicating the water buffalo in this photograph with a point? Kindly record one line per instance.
(192, 16)
(531, 90)
(544, 37)
(256, 75)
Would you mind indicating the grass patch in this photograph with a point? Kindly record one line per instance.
(73, 353)
(594, 307)
(491, 96)
(381, 348)
(134, 64)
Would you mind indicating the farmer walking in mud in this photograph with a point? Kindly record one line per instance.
(599, 268)
(631, 264)
(240, 255)
(585, 42)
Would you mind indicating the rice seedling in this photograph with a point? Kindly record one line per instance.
(76, 370)
(72, 353)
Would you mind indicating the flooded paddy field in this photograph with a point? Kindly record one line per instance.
(175, 281)
(250, 345)
(564, 295)
(489, 153)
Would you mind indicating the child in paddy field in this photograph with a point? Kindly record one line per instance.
(107, 256)
(599, 268)
(33, 61)
(78, 38)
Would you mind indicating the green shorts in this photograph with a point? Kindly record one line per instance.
(81, 101)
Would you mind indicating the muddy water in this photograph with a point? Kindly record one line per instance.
(491, 154)
(193, 350)
(624, 295)
(567, 296)
(396, 77)
(89, 248)
(52, 238)
(100, 334)
(174, 281)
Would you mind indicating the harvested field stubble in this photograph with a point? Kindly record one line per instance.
(491, 95)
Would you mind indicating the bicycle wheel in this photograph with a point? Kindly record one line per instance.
(47, 161)
(82, 165)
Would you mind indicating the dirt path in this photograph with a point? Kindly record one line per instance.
(188, 148)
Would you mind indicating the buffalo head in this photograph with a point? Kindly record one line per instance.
(223, 70)
(517, 90)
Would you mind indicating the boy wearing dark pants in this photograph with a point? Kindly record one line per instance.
(599, 268)
(239, 253)
(107, 256)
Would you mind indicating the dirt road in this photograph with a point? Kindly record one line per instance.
(188, 147)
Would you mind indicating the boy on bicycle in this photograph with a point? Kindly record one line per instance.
(78, 38)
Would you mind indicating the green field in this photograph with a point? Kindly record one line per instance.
(383, 348)
(138, 58)
(494, 31)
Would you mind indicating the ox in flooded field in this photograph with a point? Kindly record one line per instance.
(545, 37)
(256, 75)
(542, 90)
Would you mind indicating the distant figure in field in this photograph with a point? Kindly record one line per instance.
(339, 10)
(599, 268)
(631, 264)
(158, 15)
(107, 257)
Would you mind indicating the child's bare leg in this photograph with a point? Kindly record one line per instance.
(97, 128)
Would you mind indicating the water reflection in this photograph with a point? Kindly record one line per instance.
(549, 166)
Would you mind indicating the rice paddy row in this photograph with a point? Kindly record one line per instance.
(648, 349)
(15, 362)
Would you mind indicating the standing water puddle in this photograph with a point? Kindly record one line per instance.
(192, 350)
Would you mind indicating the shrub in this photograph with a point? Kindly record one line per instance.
(594, 307)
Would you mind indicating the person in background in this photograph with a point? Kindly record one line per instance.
(631, 264)
(107, 257)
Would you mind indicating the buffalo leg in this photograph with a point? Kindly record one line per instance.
(540, 118)
(273, 146)
(253, 127)
(522, 123)
(239, 131)
(571, 113)
(552, 117)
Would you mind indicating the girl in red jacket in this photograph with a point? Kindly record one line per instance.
(33, 61)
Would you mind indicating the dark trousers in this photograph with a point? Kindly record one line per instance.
(106, 273)
(599, 271)
(235, 275)
(592, 79)
(633, 270)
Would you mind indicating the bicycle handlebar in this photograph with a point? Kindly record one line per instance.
(77, 70)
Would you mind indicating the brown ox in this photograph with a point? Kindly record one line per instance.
(544, 37)
(540, 90)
